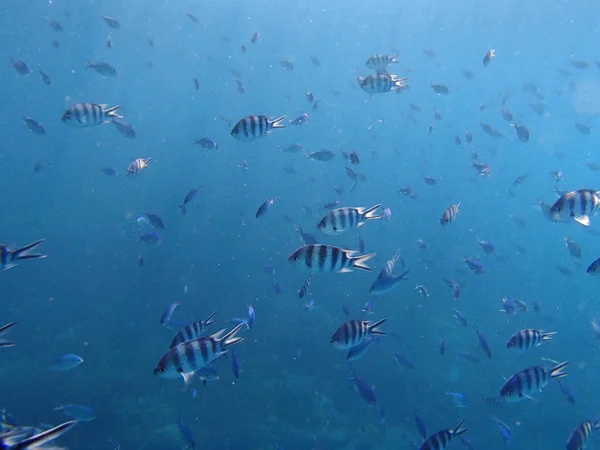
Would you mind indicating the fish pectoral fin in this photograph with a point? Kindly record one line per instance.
(9, 266)
(187, 378)
(583, 220)
(529, 397)
(344, 270)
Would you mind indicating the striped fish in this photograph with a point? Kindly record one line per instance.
(579, 205)
(380, 62)
(193, 330)
(14, 438)
(343, 219)
(450, 214)
(527, 339)
(524, 384)
(442, 439)
(580, 435)
(327, 258)
(305, 287)
(354, 332)
(82, 115)
(137, 166)
(9, 257)
(380, 83)
(188, 357)
(255, 126)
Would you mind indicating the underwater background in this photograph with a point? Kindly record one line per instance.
(93, 297)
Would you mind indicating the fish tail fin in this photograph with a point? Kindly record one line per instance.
(359, 261)
(556, 371)
(276, 123)
(373, 327)
(209, 320)
(401, 83)
(231, 338)
(146, 161)
(46, 436)
(393, 58)
(369, 214)
(183, 209)
(20, 253)
(458, 430)
(112, 112)
(548, 336)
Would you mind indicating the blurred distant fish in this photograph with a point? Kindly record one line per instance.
(522, 132)
(155, 220)
(474, 264)
(235, 366)
(190, 196)
(403, 361)
(506, 115)
(40, 165)
(520, 179)
(449, 215)
(487, 129)
(440, 89)
(165, 318)
(459, 400)
(124, 127)
(255, 126)
(287, 65)
(567, 393)
(380, 83)
(421, 290)
(20, 67)
(366, 392)
(140, 261)
(483, 344)
(468, 74)
(34, 126)
(109, 171)
(307, 238)
(81, 115)
(104, 69)
(207, 143)
(137, 166)
(196, 83)
(66, 362)
(491, 54)
(45, 78)
(302, 118)
(315, 61)
(583, 129)
(505, 430)
(194, 330)
(56, 26)
(321, 155)
(81, 413)
(574, 248)
(420, 424)
(109, 41)
(255, 37)
(460, 318)
(379, 63)
(192, 17)
(111, 22)
(186, 435)
(10, 257)
(262, 209)
(151, 238)
(251, 316)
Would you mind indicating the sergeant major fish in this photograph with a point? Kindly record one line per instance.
(352, 333)
(82, 115)
(441, 439)
(124, 127)
(137, 166)
(524, 384)
(104, 69)
(450, 214)
(343, 219)
(528, 338)
(579, 205)
(326, 258)
(9, 257)
(580, 435)
(381, 82)
(379, 63)
(255, 126)
(192, 331)
(33, 125)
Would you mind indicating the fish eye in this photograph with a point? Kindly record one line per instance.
(334, 228)
(161, 369)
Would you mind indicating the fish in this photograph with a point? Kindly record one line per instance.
(165, 318)
(583, 129)
(155, 221)
(111, 22)
(255, 126)
(104, 69)
(56, 26)
(304, 289)
(66, 362)
(482, 342)
(420, 424)
(449, 215)
(506, 114)
(194, 330)
(45, 78)
(524, 384)
(192, 17)
(9, 257)
(431, 181)
(486, 246)
(468, 136)
(490, 54)
(354, 332)
(108, 171)
(151, 238)
(594, 267)
(380, 83)
(527, 339)
(255, 37)
(580, 435)
(318, 258)
(299, 120)
(34, 126)
(379, 63)
(293, 148)
(196, 83)
(124, 127)
(442, 348)
(505, 430)
(510, 306)
(359, 350)
(109, 42)
(186, 434)
(440, 89)
(262, 209)
(567, 393)
(235, 366)
(251, 316)
(578, 205)
(4, 343)
(487, 129)
(82, 115)
(520, 179)
(365, 390)
(459, 400)
(207, 143)
(287, 65)
(386, 283)
(474, 265)
(467, 74)
(184, 359)
(469, 357)
(460, 318)
(190, 196)
(522, 132)
(343, 219)
(321, 155)
(81, 413)
(20, 67)
(315, 61)
(307, 238)
(137, 166)
(13, 440)
(441, 439)
(422, 290)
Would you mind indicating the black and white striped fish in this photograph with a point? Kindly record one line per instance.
(186, 358)
(450, 214)
(352, 333)
(82, 115)
(4, 343)
(580, 435)
(305, 287)
(255, 126)
(9, 257)
(380, 83)
(441, 439)
(380, 62)
(528, 338)
(327, 258)
(137, 166)
(524, 384)
(193, 330)
(14, 439)
(343, 219)
(579, 205)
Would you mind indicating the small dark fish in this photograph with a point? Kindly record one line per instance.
(469, 357)
(235, 366)
(40, 165)
(491, 53)
(468, 136)
(583, 129)
(428, 52)
(191, 195)
(520, 179)
(457, 140)
(366, 392)
(294, 148)
(580, 64)
(186, 435)
(109, 41)
(442, 347)
(299, 120)
(483, 344)
(111, 22)
(506, 115)
(460, 317)
(315, 61)
(538, 107)
(151, 238)
(192, 17)
(420, 424)
(307, 238)
(207, 143)
(165, 318)
(45, 78)
(574, 248)
(243, 48)
(196, 83)
(487, 129)
(440, 89)
(104, 69)
(255, 37)
(124, 127)
(55, 43)
(140, 261)
(286, 65)
(564, 270)
(155, 220)
(262, 209)
(518, 220)
(34, 126)
(493, 402)
(321, 155)
(150, 42)
(431, 181)
(56, 26)
(522, 132)
(566, 392)
(467, 74)
(109, 171)
(20, 67)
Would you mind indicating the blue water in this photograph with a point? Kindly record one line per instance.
(89, 296)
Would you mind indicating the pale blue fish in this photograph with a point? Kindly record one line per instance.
(505, 430)
(165, 318)
(459, 400)
(81, 413)
(186, 434)
(359, 350)
(66, 362)
(251, 316)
